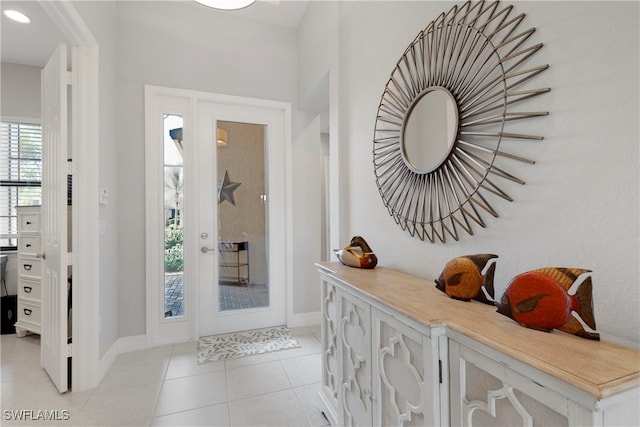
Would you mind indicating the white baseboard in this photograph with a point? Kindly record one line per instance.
(121, 345)
(132, 343)
(305, 319)
(107, 360)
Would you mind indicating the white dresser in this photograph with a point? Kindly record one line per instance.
(397, 351)
(29, 269)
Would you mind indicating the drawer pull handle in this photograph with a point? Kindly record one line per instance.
(27, 267)
(28, 222)
(27, 289)
(27, 311)
(28, 245)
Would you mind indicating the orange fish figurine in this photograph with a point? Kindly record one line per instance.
(357, 254)
(540, 299)
(468, 277)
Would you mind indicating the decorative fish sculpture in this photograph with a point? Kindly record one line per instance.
(540, 300)
(468, 277)
(357, 254)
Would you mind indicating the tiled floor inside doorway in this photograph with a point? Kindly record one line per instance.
(233, 296)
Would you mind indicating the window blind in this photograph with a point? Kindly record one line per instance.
(20, 175)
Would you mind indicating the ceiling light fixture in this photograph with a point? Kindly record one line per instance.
(227, 4)
(14, 15)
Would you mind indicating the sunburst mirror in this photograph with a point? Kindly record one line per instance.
(444, 116)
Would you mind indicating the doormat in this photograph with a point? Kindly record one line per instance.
(248, 343)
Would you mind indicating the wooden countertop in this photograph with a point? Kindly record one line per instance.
(600, 368)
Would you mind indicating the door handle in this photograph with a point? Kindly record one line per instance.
(205, 249)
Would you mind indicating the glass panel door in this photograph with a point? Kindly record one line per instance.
(242, 234)
(243, 277)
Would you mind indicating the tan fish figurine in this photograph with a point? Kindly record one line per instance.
(357, 254)
(468, 277)
(539, 299)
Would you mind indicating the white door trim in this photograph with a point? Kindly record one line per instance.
(85, 144)
(155, 205)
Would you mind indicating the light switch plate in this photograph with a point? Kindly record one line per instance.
(104, 196)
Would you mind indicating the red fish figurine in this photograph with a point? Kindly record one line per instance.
(540, 299)
(357, 254)
(465, 277)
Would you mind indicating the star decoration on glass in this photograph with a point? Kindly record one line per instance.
(226, 189)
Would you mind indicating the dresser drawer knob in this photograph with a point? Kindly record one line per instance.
(27, 289)
(27, 311)
(27, 267)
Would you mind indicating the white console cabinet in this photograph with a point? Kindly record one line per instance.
(406, 372)
(396, 351)
(379, 368)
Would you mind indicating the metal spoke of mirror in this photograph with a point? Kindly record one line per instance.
(442, 119)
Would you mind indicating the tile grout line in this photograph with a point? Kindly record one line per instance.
(226, 387)
(164, 380)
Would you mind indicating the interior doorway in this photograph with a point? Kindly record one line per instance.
(73, 30)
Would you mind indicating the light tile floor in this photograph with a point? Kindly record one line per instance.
(165, 386)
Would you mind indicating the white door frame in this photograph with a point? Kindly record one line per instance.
(85, 138)
(165, 331)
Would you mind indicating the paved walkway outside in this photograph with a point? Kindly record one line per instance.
(232, 296)
(174, 295)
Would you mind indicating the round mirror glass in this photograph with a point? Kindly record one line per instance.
(430, 130)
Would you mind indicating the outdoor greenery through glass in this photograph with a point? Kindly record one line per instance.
(173, 214)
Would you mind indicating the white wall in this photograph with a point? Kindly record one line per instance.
(580, 204)
(100, 17)
(307, 218)
(186, 46)
(20, 91)
(317, 43)
(319, 89)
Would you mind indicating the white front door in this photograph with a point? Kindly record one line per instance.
(242, 210)
(211, 237)
(54, 215)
